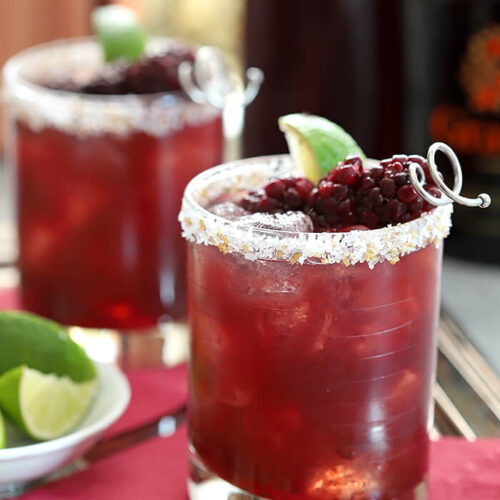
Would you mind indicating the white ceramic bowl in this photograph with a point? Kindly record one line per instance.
(24, 460)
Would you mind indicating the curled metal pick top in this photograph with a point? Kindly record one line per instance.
(417, 178)
(209, 80)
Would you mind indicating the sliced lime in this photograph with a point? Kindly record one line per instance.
(43, 345)
(44, 406)
(119, 31)
(316, 144)
(2, 432)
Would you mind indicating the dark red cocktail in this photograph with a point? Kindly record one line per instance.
(99, 183)
(313, 354)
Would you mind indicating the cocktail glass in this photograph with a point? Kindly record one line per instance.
(312, 354)
(99, 187)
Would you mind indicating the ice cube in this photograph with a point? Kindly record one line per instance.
(288, 321)
(228, 210)
(42, 245)
(406, 393)
(269, 283)
(235, 395)
(83, 204)
(236, 379)
(293, 329)
(289, 221)
(223, 365)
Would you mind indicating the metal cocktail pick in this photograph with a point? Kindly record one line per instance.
(208, 80)
(417, 178)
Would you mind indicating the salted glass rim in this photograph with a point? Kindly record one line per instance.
(13, 67)
(201, 226)
(29, 102)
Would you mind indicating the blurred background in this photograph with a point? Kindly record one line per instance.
(397, 74)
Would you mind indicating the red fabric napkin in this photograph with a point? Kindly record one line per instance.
(153, 470)
(10, 299)
(460, 470)
(157, 470)
(155, 392)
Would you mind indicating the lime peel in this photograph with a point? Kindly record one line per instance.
(41, 344)
(316, 144)
(2, 432)
(119, 31)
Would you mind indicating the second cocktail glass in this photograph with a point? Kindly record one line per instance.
(99, 185)
(313, 354)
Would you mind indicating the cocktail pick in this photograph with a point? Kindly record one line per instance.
(209, 80)
(417, 178)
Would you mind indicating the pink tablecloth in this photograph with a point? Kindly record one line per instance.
(157, 469)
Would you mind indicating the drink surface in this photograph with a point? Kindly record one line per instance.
(99, 239)
(313, 381)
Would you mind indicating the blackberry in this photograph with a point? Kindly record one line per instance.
(279, 196)
(151, 74)
(351, 196)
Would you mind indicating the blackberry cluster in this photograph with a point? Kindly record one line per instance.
(281, 196)
(351, 196)
(151, 74)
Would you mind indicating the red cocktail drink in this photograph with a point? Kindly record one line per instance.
(313, 354)
(99, 185)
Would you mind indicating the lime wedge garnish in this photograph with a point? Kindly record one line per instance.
(119, 31)
(2, 432)
(43, 345)
(44, 406)
(316, 144)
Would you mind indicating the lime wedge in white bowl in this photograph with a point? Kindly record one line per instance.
(25, 460)
(43, 405)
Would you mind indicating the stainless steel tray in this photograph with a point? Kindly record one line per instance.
(467, 394)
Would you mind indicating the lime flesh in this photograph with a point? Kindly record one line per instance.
(44, 406)
(316, 144)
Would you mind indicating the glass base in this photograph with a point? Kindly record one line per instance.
(11, 490)
(166, 345)
(204, 485)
